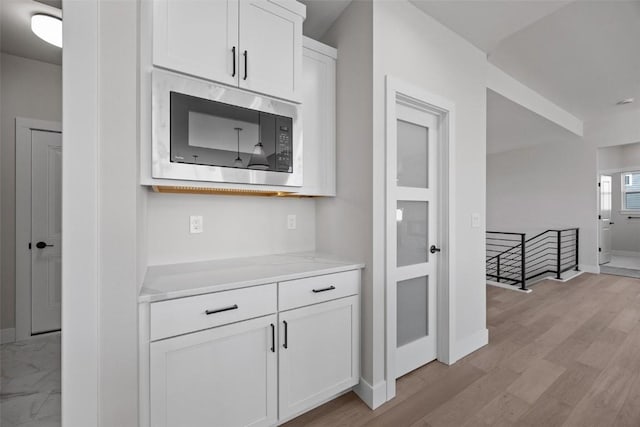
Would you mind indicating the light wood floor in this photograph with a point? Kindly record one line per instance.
(568, 354)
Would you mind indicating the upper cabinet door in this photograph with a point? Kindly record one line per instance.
(271, 49)
(197, 37)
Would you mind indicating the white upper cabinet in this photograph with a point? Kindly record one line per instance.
(253, 44)
(271, 43)
(197, 37)
(319, 118)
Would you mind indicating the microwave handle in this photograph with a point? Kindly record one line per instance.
(233, 52)
(246, 60)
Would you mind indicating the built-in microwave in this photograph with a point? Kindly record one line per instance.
(202, 131)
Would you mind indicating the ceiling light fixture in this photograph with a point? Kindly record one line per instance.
(625, 101)
(48, 28)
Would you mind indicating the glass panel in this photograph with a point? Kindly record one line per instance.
(413, 310)
(412, 221)
(413, 155)
(206, 132)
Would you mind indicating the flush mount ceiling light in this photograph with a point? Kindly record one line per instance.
(625, 101)
(48, 28)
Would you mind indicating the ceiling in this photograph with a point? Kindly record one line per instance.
(16, 37)
(510, 126)
(486, 23)
(584, 57)
(321, 14)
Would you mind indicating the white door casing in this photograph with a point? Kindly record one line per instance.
(418, 297)
(604, 219)
(45, 300)
(46, 221)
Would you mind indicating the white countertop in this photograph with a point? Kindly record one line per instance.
(163, 282)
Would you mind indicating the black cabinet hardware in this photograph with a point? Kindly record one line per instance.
(246, 61)
(273, 338)
(233, 51)
(330, 288)
(286, 332)
(433, 249)
(220, 310)
(42, 245)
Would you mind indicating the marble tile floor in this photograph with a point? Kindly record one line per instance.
(30, 382)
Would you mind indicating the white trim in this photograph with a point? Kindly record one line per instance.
(24, 127)
(471, 343)
(7, 335)
(505, 85)
(509, 287)
(626, 253)
(80, 192)
(445, 111)
(585, 268)
(372, 396)
(566, 276)
(619, 170)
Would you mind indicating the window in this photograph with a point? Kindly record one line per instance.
(631, 190)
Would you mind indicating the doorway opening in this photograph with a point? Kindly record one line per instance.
(619, 210)
(417, 229)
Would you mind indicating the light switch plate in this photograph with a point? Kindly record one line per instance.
(195, 224)
(475, 220)
(291, 222)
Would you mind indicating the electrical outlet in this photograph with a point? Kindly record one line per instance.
(291, 222)
(195, 224)
(475, 220)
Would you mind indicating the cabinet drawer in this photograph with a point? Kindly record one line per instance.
(183, 315)
(312, 290)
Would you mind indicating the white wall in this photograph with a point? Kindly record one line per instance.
(344, 223)
(619, 157)
(543, 187)
(234, 226)
(375, 39)
(414, 47)
(30, 89)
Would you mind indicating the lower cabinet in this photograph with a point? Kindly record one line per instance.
(226, 376)
(260, 371)
(319, 354)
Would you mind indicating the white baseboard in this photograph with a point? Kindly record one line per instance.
(626, 253)
(566, 276)
(510, 287)
(471, 343)
(595, 269)
(7, 335)
(372, 396)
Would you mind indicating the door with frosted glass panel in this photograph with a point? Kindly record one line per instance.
(412, 243)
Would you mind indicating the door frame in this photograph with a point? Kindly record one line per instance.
(444, 110)
(24, 127)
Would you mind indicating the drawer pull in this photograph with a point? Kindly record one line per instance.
(273, 338)
(286, 333)
(330, 288)
(220, 310)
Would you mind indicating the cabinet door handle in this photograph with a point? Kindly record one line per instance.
(286, 332)
(246, 62)
(330, 288)
(220, 310)
(233, 51)
(273, 338)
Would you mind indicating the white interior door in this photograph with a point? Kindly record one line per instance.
(411, 232)
(46, 200)
(605, 219)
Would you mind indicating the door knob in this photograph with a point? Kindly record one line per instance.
(42, 245)
(433, 249)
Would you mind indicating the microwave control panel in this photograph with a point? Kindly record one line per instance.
(284, 161)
